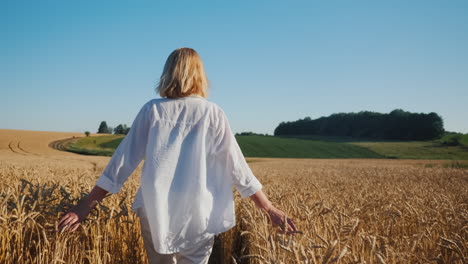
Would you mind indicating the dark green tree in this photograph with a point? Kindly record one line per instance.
(121, 129)
(118, 129)
(103, 128)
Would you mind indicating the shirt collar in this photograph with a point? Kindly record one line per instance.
(188, 96)
(195, 95)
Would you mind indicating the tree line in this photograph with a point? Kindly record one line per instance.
(396, 125)
(250, 133)
(120, 129)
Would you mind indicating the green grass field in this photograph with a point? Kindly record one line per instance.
(100, 145)
(283, 147)
(462, 138)
(416, 150)
(465, 140)
(307, 147)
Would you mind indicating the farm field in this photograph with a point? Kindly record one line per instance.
(349, 210)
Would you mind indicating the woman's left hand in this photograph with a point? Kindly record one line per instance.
(73, 218)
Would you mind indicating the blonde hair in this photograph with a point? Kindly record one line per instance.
(183, 75)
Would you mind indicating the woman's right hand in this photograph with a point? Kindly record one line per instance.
(279, 218)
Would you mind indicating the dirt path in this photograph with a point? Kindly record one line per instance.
(62, 143)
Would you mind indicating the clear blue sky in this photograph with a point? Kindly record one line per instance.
(67, 65)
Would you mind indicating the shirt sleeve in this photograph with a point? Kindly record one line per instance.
(229, 155)
(128, 154)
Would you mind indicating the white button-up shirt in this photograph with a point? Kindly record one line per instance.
(192, 161)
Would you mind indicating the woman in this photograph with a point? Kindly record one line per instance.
(192, 160)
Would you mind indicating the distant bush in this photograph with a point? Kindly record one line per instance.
(452, 139)
(87, 133)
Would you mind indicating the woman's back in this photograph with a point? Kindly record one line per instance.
(192, 161)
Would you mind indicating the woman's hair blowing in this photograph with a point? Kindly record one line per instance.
(183, 75)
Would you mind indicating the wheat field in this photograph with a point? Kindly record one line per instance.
(349, 211)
